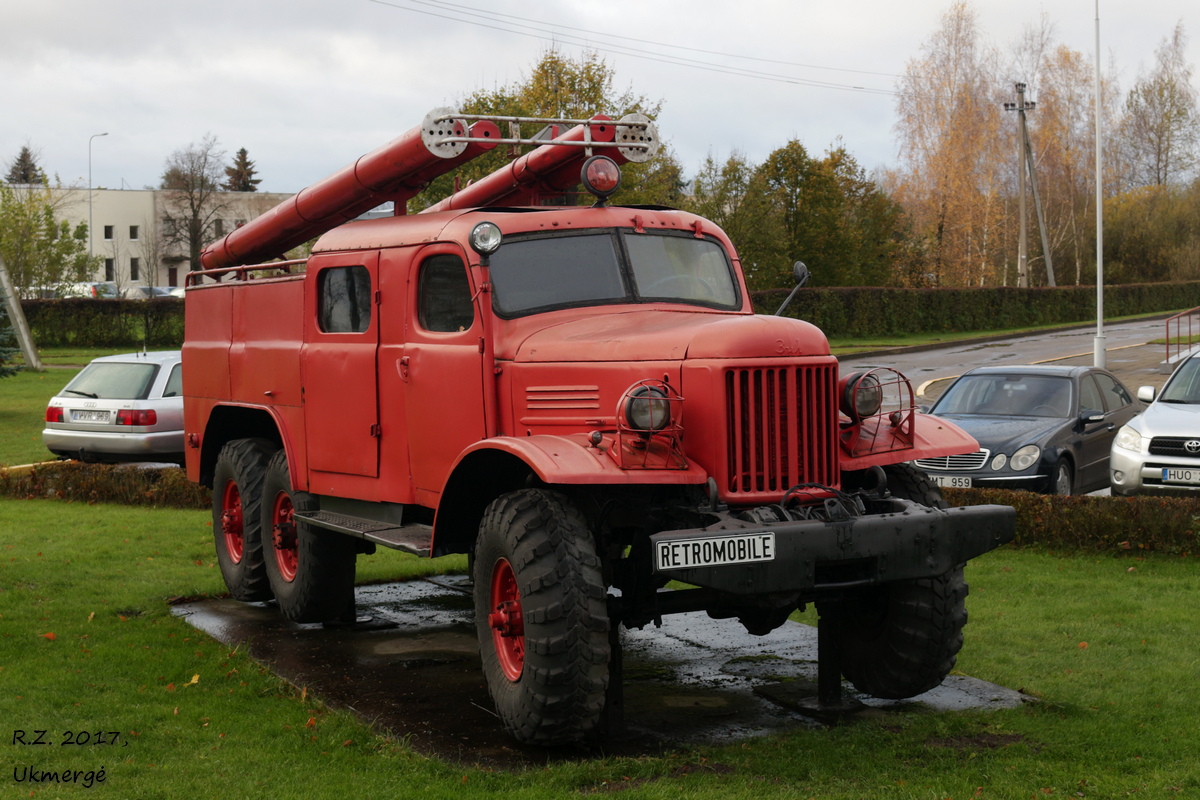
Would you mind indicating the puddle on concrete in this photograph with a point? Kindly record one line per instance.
(693, 681)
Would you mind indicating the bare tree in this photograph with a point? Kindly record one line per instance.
(193, 202)
(1161, 124)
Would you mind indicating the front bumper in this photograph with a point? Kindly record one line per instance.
(1133, 473)
(811, 557)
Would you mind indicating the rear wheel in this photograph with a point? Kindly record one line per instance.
(541, 616)
(311, 570)
(901, 639)
(237, 497)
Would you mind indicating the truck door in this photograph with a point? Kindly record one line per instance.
(337, 365)
(442, 368)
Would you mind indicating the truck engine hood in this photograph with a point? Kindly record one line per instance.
(659, 335)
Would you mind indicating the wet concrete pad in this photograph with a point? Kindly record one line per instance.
(695, 680)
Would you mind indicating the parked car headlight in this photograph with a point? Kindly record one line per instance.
(1026, 457)
(1129, 439)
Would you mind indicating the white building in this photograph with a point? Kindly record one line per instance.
(128, 229)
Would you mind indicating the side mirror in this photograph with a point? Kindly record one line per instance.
(1146, 394)
(1090, 416)
(802, 275)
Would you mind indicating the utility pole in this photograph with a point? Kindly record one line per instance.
(1022, 247)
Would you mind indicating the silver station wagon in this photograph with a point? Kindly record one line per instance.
(120, 408)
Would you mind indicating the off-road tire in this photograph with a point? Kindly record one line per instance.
(236, 502)
(553, 692)
(318, 586)
(901, 639)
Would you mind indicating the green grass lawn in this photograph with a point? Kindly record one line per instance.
(1106, 644)
(23, 399)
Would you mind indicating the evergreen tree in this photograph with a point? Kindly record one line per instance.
(240, 176)
(24, 168)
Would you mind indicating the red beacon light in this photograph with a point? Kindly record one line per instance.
(601, 177)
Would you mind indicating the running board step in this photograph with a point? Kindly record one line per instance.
(413, 538)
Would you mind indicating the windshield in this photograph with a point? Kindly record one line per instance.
(113, 380)
(1184, 386)
(604, 267)
(1007, 396)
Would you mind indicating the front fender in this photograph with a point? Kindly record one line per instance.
(931, 436)
(572, 459)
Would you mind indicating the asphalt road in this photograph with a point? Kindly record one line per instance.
(1128, 354)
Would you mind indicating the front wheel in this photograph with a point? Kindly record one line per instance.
(311, 570)
(1061, 483)
(542, 618)
(902, 639)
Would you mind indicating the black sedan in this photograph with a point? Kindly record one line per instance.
(1042, 428)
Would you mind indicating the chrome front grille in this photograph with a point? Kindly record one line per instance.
(959, 462)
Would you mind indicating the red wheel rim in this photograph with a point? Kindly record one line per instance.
(506, 620)
(231, 522)
(283, 536)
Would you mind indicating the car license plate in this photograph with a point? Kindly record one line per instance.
(716, 551)
(1175, 475)
(89, 416)
(952, 481)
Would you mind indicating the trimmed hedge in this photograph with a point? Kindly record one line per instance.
(167, 487)
(840, 311)
(855, 312)
(1102, 524)
(1085, 523)
(80, 322)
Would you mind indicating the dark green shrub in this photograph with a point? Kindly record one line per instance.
(167, 487)
(857, 312)
(1105, 524)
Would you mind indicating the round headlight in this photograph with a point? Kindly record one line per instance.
(648, 409)
(485, 238)
(862, 397)
(999, 461)
(1026, 457)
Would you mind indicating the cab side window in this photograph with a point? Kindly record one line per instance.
(344, 300)
(444, 295)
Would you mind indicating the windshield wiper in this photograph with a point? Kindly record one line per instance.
(85, 394)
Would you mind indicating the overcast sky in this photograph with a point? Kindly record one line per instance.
(307, 86)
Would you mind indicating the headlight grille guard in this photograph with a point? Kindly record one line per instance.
(656, 449)
(891, 427)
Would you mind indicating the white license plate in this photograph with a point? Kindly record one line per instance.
(952, 481)
(1175, 475)
(715, 551)
(89, 416)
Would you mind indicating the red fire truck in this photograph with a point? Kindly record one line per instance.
(580, 398)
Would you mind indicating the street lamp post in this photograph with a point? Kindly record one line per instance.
(90, 234)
